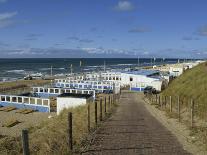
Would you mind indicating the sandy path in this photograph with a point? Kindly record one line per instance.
(133, 130)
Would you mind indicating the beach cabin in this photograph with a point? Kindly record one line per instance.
(138, 80)
(68, 100)
(98, 86)
(54, 92)
(24, 102)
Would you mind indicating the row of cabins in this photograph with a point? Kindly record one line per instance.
(136, 80)
(176, 70)
(67, 93)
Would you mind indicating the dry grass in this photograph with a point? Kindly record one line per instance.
(16, 87)
(192, 85)
(51, 136)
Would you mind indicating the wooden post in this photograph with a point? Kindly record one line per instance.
(165, 102)
(155, 98)
(96, 115)
(70, 131)
(179, 108)
(170, 103)
(159, 100)
(89, 120)
(151, 99)
(105, 104)
(25, 142)
(192, 113)
(100, 109)
(109, 102)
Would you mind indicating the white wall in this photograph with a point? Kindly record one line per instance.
(69, 102)
(140, 81)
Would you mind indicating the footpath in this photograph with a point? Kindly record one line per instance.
(132, 130)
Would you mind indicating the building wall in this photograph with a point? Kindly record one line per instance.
(69, 102)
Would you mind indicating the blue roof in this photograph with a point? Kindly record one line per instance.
(142, 72)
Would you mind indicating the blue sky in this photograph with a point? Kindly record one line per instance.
(109, 28)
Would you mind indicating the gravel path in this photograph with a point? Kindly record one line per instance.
(133, 130)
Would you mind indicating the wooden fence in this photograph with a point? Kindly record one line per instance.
(182, 108)
(102, 107)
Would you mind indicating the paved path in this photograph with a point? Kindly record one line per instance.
(132, 130)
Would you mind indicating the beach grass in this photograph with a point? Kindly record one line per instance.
(191, 86)
(51, 136)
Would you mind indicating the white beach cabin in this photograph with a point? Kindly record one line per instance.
(68, 100)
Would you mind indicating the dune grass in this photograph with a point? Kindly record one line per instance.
(51, 136)
(191, 85)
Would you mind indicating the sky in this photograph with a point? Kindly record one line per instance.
(103, 28)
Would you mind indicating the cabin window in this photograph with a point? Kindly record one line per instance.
(56, 91)
(85, 92)
(113, 78)
(51, 90)
(39, 101)
(117, 78)
(32, 101)
(26, 100)
(106, 78)
(80, 86)
(20, 99)
(79, 92)
(46, 90)
(109, 78)
(131, 79)
(14, 99)
(2, 98)
(8, 98)
(73, 91)
(99, 87)
(45, 102)
(41, 90)
(35, 89)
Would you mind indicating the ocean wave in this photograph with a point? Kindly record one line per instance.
(92, 66)
(16, 71)
(47, 69)
(123, 65)
(44, 69)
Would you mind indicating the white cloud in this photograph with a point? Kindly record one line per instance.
(139, 30)
(7, 15)
(124, 6)
(6, 19)
(3, 1)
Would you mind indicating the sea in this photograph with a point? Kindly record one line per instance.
(13, 69)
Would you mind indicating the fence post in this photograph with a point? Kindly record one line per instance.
(155, 98)
(105, 105)
(170, 103)
(96, 120)
(25, 142)
(179, 108)
(192, 113)
(70, 131)
(100, 109)
(109, 102)
(89, 120)
(159, 100)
